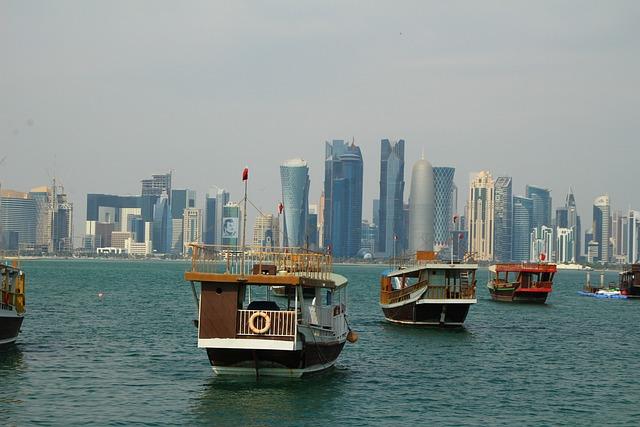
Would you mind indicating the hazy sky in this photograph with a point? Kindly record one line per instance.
(110, 92)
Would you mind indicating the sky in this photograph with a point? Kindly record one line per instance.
(104, 94)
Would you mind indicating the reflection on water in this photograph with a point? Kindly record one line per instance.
(11, 359)
(269, 400)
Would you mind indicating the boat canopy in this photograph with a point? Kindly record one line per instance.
(523, 268)
(415, 271)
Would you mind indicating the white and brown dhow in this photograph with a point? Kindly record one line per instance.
(248, 330)
(429, 292)
(12, 302)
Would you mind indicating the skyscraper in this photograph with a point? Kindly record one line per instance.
(480, 215)
(343, 198)
(191, 227)
(421, 207)
(542, 244)
(156, 185)
(503, 205)
(601, 226)
(294, 175)
(633, 237)
(266, 231)
(209, 220)
(444, 190)
(573, 222)
(522, 214)
(162, 225)
(390, 229)
(222, 198)
(565, 245)
(18, 220)
(541, 198)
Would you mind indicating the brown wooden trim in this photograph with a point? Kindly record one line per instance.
(257, 279)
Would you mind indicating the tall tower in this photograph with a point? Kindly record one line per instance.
(342, 217)
(391, 196)
(480, 215)
(522, 214)
(294, 175)
(503, 206)
(601, 228)
(444, 195)
(541, 198)
(421, 207)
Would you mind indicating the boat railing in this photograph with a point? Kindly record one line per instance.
(280, 324)
(398, 295)
(261, 260)
(538, 285)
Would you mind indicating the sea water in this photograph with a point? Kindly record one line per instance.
(130, 357)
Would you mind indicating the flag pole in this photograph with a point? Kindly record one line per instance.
(245, 178)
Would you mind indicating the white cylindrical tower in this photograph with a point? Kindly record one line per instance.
(421, 207)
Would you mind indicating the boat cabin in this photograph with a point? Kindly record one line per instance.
(630, 281)
(527, 276)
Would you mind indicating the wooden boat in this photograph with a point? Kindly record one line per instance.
(12, 302)
(525, 282)
(630, 281)
(428, 293)
(247, 331)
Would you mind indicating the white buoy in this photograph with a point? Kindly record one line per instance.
(100, 294)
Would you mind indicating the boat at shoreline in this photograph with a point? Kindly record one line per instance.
(12, 302)
(530, 283)
(247, 330)
(428, 292)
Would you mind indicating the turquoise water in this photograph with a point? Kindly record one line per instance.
(131, 357)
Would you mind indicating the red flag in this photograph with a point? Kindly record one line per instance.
(542, 256)
(280, 207)
(245, 174)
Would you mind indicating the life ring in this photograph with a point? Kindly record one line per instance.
(267, 322)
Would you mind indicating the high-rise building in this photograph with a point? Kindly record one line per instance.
(231, 224)
(588, 237)
(321, 221)
(421, 207)
(503, 219)
(162, 225)
(480, 216)
(522, 214)
(619, 224)
(573, 221)
(342, 198)
(541, 198)
(294, 175)
(209, 220)
(42, 198)
(222, 198)
(368, 238)
(444, 190)
(390, 228)
(157, 185)
(542, 244)
(18, 220)
(312, 228)
(562, 217)
(266, 231)
(601, 227)
(375, 215)
(633, 237)
(181, 200)
(191, 228)
(565, 245)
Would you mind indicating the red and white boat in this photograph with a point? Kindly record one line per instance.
(525, 282)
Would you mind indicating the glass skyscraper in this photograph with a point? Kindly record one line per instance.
(541, 198)
(294, 175)
(503, 217)
(342, 198)
(601, 226)
(522, 214)
(443, 205)
(390, 229)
